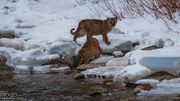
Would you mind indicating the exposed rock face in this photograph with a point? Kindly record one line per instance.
(5, 71)
(3, 61)
(86, 66)
(160, 76)
(124, 47)
(79, 76)
(97, 91)
(118, 45)
(157, 45)
(66, 49)
(138, 88)
(7, 34)
(12, 43)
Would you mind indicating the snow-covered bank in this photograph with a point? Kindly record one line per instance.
(43, 30)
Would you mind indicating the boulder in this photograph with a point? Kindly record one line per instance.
(66, 49)
(118, 54)
(121, 61)
(161, 75)
(139, 88)
(102, 60)
(79, 76)
(11, 43)
(86, 66)
(117, 45)
(97, 91)
(5, 70)
(7, 34)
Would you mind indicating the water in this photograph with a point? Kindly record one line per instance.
(60, 87)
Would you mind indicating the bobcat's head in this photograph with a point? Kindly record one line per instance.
(112, 21)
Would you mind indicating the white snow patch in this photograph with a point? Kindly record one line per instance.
(165, 87)
(152, 82)
(102, 59)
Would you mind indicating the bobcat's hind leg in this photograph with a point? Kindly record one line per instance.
(105, 39)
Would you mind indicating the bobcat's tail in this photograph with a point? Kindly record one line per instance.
(72, 31)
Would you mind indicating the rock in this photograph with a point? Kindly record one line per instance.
(79, 76)
(108, 81)
(6, 73)
(67, 71)
(86, 66)
(138, 88)
(67, 49)
(25, 26)
(121, 61)
(168, 42)
(118, 53)
(91, 76)
(3, 61)
(12, 43)
(5, 70)
(177, 97)
(97, 91)
(7, 34)
(151, 48)
(117, 45)
(158, 44)
(102, 59)
(22, 69)
(160, 76)
(124, 47)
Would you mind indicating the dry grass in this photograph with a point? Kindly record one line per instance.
(134, 8)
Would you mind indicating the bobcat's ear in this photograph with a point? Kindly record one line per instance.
(116, 18)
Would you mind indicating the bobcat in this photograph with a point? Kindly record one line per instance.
(90, 27)
(89, 51)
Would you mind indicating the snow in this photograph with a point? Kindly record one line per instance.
(102, 59)
(43, 30)
(165, 87)
(152, 82)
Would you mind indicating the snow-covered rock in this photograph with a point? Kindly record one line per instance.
(165, 87)
(11, 43)
(121, 61)
(102, 59)
(66, 49)
(118, 53)
(131, 74)
(118, 45)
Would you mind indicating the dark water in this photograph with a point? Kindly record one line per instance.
(60, 87)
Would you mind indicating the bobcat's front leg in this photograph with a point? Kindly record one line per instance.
(105, 39)
(89, 36)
